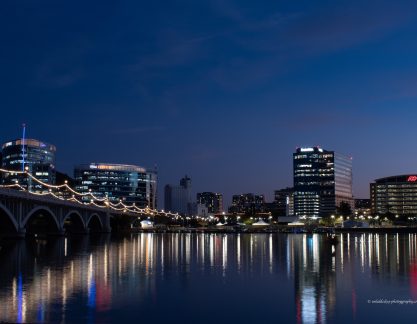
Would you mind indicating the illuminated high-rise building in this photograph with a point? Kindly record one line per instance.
(322, 181)
(129, 183)
(34, 156)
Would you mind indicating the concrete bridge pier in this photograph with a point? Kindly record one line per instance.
(106, 224)
(21, 233)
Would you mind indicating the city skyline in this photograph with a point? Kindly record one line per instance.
(227, 161)
(225, 97)
(201, 187)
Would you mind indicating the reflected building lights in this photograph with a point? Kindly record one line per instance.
(238, 253)
(72, 273)
(361, 248)
(90, 274)
(203, 248)
(120, 263)
(370, 250)
(20, 318)
(398, 253)
(316, 258)
(348, 245)
(224, 254)
(64, 290)
(314, 265)
(342, 241)
(212, 250)
(378, 255)
(48, 283)
(124, 252)
(305, 251)
(133, 258)
(162, 256)
(271, 254)
(290, 256)
(315, 278)
(251, 250)
(187, 248)
(41, 312)
(106, 265)
(14, 292)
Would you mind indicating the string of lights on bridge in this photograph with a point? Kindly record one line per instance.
(120, 206)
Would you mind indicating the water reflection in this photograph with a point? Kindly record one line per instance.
(100, 279)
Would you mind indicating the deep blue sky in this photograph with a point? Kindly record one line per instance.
(221, 90)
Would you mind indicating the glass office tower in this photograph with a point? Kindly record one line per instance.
(322, 181)
(37, 157)
(395, 195)
(129, 183)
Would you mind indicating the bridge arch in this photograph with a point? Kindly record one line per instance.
(94, 223)
(49, 221)
(73, 221)
(8, 216)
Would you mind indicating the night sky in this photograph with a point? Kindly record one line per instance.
(223, 91)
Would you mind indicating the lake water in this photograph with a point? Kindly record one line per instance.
(210, 278)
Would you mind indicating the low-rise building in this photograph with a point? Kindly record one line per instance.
(395, 195)
(212, 200)
(248, 204)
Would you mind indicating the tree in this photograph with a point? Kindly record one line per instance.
(344, 209)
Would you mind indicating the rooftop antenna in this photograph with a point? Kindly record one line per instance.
(23, 146)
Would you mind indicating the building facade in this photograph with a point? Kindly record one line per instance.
(213, 201)
(284, 202)
(396, 195)
(248, 204)
(129, 183)
(178, 198)
(322, 181)
(34, 156)
(362, 204)
(200, 210)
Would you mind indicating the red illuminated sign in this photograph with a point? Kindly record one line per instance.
(412, 179)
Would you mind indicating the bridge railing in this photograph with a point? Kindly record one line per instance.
(65, 193)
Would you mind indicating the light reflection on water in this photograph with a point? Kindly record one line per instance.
(295, 278)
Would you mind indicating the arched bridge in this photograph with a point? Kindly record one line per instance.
(22, 212)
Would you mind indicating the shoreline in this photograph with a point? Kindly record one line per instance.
(232, 230)
(285, 230)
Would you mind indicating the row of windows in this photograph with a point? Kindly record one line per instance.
(315, 183)
(399, 186)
